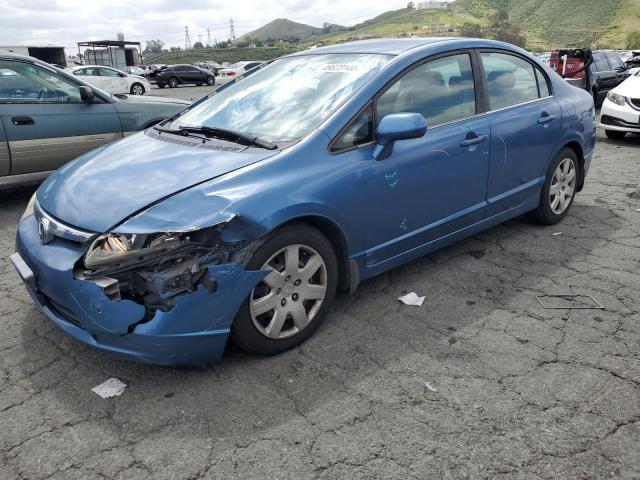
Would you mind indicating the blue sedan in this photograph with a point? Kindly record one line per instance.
(243, 215)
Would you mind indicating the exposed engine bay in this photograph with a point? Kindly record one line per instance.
(155, 269)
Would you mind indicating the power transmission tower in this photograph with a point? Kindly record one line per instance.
(208, 38)
(187, 40)
(232, 32)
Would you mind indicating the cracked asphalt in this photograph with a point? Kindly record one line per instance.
(480, 382)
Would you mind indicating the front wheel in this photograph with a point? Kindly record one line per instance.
(559, 189)
(287, 307)
(160, 85)
(615, 134)
(137, 89)
(173, 82)
(211, 81)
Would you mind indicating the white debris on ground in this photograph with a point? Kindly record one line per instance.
(111, 388)
(412, 299)
(556, 234)
(430, 387)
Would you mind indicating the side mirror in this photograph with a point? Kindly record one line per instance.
(86, 94)
(120, 74)
(397, 126)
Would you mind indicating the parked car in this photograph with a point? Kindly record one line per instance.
(233, 71)
(597, 72)
(140, 71)
(152, 70)
(48, 117)
(175, 75)
(621, 109)
(110, 79)
(319, 171)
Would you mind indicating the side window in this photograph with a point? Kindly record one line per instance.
(26, 83)
(510, 80)
(359, 132)
(107, 72)
(180, 69)
(615, 61)
(88, 72)
(543, 86)
(441, 90)
(602, 65)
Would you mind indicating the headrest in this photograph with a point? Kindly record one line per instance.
(502, 79)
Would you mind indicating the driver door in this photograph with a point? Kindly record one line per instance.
(46, 122)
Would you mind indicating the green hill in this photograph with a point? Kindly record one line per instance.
(555, 23)
(545, 24)
(282, 29)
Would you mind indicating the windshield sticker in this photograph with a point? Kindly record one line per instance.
(340, 67)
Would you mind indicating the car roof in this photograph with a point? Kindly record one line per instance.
(385, 46)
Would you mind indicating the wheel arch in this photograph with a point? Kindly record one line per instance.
(577, 148)
(336, 237)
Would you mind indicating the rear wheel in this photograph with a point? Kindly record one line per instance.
(173, 82)
(615, 134)
(559, 189)
(211, 81)
(287, 307)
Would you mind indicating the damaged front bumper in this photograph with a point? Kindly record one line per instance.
(194, 331)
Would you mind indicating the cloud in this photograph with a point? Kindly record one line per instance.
(65, 22)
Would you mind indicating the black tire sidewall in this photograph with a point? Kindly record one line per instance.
(173, 82)
(211, 81)
(244, 332)
(543, 214)
(137, 84)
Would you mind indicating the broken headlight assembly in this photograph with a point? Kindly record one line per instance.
(153, 268)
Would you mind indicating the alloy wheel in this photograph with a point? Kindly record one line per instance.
(563, 185)
(137, 89)
(290, 296)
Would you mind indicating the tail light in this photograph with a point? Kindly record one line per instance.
(231, 74)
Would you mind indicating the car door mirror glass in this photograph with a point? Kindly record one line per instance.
(397, 126)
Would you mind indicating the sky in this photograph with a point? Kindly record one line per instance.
(65, 22)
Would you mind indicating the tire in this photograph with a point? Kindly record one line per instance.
(173, 82)
(615, 134)
(137, 89)
(160, 85)
(198, 84)
(286, 294)
(594, 93)
(211, 81)
(551, 211)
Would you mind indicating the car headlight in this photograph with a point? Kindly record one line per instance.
(30, 206)
(617, 99)
(113, 249)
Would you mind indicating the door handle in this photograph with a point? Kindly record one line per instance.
(474, 141)
(546, 119)
(22, 121)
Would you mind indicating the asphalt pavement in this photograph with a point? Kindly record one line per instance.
(481, 381)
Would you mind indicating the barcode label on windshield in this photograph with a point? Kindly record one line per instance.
(340, 67)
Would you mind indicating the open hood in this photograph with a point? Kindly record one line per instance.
(102, 188)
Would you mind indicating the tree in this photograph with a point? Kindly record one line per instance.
(502, 30)
(633, 40)
(198, 45)
(411, 6)
(153, 46)
(471, 30)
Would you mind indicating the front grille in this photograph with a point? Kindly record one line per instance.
(50, 227)
(635, 103)
(609, 120)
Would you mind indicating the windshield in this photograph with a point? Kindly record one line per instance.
(287, 99)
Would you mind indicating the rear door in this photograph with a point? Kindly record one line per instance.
(91, 75)
(606, 76)
(525, 121)
(46, 122)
